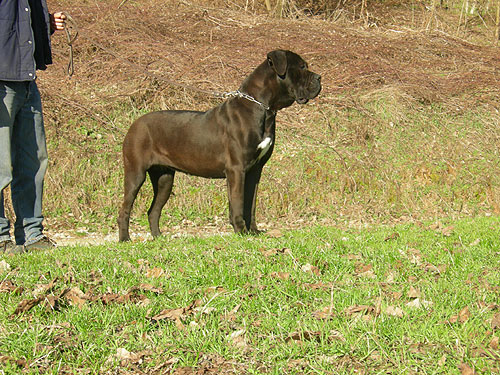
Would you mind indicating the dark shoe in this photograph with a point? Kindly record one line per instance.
(44, 243)
(8, 247)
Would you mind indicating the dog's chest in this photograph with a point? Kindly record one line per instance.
(262, 149)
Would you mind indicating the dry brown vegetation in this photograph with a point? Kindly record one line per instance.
(382, 70)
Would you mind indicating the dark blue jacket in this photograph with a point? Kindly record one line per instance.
(24, 39)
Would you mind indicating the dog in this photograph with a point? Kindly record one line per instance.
(233, 140)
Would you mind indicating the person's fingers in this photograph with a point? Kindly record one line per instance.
(59, 19)
(59, 15)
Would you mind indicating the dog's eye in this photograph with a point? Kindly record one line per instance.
(303, 66)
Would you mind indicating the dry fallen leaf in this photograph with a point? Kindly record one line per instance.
(268, 253)
(237, 339)
(397, 295)
(214, 289)
(442, 361)
(206, 310)
(298, 337)
(285, 250)
(170, 314)
(124, 356)
(155, 272)
(495, 322)
(336, 336)
(177, 315)
(66, 340)
(275, 251)
(27, 304)
(44, 288)
(392, 236)
(417, 303)
(378, 306)
(324, 314)
(464, 315)
(475, 243)
(76, 297)
(194, 324)
(4, 266)
(352, 257)
(280, 275)
(394, 311)
(368, 274)
(494, 343)
(297, 364)
(448, 231)
(390, 277)
(309, 268)
(414, 256)
(146, 288)
(439, 269)
(414, 293)
(129, 266)
(315, 286)
(465, 369)
(21, 363)
(359, 309)
(361, 267)
(231, 315)
(52, 303)
(440, 228)
(8, 286)
(435, 226)
(375, 356)
(365, 270)
(130, 297)
(274, 233)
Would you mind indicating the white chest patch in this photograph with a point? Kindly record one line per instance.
(264, 147)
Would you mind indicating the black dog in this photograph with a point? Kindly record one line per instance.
(233, 140)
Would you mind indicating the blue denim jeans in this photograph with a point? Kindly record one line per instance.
(23, 159)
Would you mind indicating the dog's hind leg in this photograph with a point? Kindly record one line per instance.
(162, 180)
(133, 182)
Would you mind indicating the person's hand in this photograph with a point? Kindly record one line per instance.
(58, 21)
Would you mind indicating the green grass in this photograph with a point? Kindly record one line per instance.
(234, 280)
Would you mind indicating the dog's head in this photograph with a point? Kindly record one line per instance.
(294, 76)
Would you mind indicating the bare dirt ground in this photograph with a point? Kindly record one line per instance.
(212, 45)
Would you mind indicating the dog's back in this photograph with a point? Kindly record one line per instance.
(180, 140)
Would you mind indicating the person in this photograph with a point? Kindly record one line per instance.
(25, 30)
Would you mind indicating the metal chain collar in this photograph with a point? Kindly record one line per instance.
(239, 94)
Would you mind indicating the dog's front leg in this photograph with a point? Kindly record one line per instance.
(235, 189)
(252, 179)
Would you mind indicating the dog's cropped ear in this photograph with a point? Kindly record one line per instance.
(277, 61)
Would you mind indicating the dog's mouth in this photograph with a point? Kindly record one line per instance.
(305, 97)
(311, 92)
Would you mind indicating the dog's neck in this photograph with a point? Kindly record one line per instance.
(263, 84)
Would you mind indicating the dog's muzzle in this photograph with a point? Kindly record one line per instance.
(310, 90)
